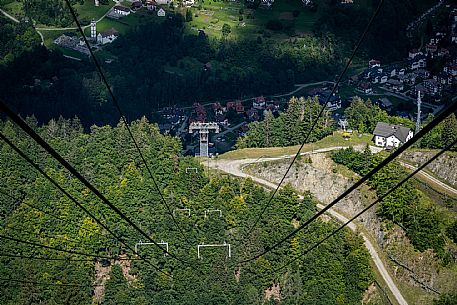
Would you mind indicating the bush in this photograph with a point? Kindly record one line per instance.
(452, 231)
(296, 13)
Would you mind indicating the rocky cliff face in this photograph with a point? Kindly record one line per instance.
(325, 180)
(318, 176)
(445, 167)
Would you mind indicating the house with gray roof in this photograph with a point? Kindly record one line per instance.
(391, 135)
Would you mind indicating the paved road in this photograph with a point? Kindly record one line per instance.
(298, 88)
(234, 167)
(302, 86)
(232, 128)
(429, 177)
(72, 28)
(9, 16)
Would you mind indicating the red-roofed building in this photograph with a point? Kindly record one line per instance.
(239, 107)
(217, 108)
(200, 112)
(431, 48)
(259, 103)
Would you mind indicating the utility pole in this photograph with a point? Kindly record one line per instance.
(174, 212)
(191, 169)
(212, 211)
(418, 119)
(203, 129)
(214, 245)
(140, 243)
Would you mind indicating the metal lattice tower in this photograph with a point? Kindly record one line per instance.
(203, 129)
(418, 119)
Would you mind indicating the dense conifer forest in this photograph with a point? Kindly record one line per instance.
(339, 274)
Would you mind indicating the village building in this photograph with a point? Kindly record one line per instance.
(431, 48)
(163, 2)
(236, 106)
(259, 103)
(385, 103)
(200, 112)
(151, 5)
(422, 73)
(391, 135)
(121, 10)
(443, 78)
(395, 85)
(374, 64)
(253, 114)
(239, 107)
(442, 52)
(413, 53)
(136, 5)
(266, 3)
(451, 69)
(217, 108)
(432, 87)
(107, 36)
(419, 62)
(161, 12)
(365, 87)
(333, 101)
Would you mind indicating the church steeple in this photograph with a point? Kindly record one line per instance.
(93, 30)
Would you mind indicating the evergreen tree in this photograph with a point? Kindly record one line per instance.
(449, 131)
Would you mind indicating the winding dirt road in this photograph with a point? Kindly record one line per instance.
(234, 167)
(432, 179)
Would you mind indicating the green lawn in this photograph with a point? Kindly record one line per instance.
(50, 36)
(14, 8)
(330, 141)
(213, 15)
(89, 11)
(121, 25)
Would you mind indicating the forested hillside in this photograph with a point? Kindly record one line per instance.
(425, 225)
(290, 127)
(15, 39)
(338, 273)
(386, 39)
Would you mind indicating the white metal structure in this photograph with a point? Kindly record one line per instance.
(191, 169)
(174, 212)
(93, 30)
(418, 119)
(203, 129)
(212, 211)
(144, 244)
(215, 245)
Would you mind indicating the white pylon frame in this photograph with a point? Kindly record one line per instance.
(190, 169)
(214, 245)
(213, 211)
(188, 211)
(203, 130)
(140, 243)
